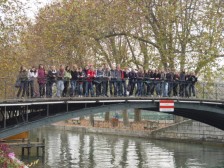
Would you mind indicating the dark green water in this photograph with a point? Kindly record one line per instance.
(79, 150)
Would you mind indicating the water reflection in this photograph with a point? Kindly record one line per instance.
(77, 150)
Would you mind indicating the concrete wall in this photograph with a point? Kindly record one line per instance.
(190, 131)
(108, 131)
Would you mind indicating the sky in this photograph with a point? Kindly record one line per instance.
(33, 6)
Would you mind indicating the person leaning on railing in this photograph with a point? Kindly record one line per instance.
(32, 75)
(147, 82)
(23, 77)
(169, 77)
(164, 84)
(105, 81)
(119, 77)
(131, 83)
(41, 79)
(89, 82)
(51, 80)
(124, 80)
(60, 80)
(192, 79)
(67, 78)
(81, 79)
(113, 82)
(182, 84)
(140, 76)
(158, 82)
(74, 79)
(176, 79)
(98, 81)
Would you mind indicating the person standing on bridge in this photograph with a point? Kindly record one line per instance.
(132, 80)
(113, 82)
(67, 78)
(74, 79)
(23, 77)
(147, 82)
(176, 79)
(182, 83)
(140, 86)
(192, 80)
(51, 80)
(81, 76)
(106, 71)
(60, 81)
(99, 80)
(119, 76)
(124, 81)
(158, 82)
(32, 75)
(41, 79)
(89, 83)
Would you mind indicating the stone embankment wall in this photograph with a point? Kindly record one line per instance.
(190, 131)
(108, 131)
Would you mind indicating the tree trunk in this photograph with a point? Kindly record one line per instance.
(107, 116)
(91, 120)
(137, 115)
(125, 118)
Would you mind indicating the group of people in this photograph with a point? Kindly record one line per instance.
(104, 81)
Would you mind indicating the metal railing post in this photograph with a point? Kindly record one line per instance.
(5, 118)
(47, 110)
(203, 90)
(216, 91)
(5, 89)
(27, 119)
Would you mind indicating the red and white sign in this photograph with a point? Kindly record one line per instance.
(166, 105)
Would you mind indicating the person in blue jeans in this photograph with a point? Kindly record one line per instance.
(81, 75)
(164, 86)
(23, 77)
(140, 76)
(60, 80)
(113, 82)
(119, 77)
(91, 74)
(32, 75)
(74, 79)
(192, 80)
(51, 79)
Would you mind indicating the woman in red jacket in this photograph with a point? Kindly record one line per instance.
(41, 79)
(89, 83)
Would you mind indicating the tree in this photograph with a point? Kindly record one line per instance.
(137, 115)
(12, 23)
(180, 34)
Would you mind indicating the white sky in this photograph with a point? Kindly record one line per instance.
(33, 6)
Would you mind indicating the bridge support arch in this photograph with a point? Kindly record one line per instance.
(40, 113)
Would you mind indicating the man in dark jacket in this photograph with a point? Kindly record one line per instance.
(132, 79)
(74, 79)
(192, 80)
(51, 79)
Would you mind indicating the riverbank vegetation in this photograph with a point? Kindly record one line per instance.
(8, 159)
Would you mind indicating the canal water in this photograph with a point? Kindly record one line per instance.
(81, 150)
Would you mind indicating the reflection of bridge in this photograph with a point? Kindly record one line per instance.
(19, 116)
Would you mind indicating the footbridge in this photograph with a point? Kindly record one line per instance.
(17, 116)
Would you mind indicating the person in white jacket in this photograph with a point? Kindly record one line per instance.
(32, 75)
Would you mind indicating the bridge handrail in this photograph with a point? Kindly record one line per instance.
(204, 90)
